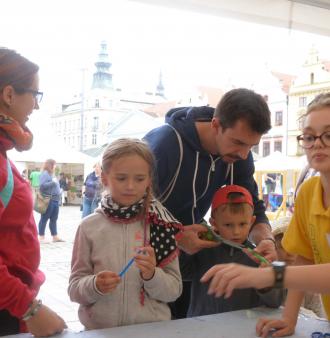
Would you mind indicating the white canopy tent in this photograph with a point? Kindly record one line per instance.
(306, 15)
(277, 162)
(288, 167)
(47, 145)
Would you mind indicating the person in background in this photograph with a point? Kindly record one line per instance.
(25, 175)
(92, 191)
(232, 218)
(311, 301)
(49, 186)
(307, 235)
(200, 149)
(34, 179)
(20, 277)
(63, 182)
(130, 224)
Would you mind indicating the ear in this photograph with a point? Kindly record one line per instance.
(212, 221)
(8, 93)
(216, 125)
(104, 179)
(253, 219)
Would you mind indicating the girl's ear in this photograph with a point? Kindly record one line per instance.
(104, 179)
(212, 222)
(253, 219)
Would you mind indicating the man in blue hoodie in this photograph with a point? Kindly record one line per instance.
(198, 150)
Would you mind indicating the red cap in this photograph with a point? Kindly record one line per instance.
(221, 196)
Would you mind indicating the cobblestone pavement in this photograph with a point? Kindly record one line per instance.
(55, 263)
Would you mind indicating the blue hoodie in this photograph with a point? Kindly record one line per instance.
(187, 175)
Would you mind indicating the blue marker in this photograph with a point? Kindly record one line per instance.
(122, 272)
(130, 262)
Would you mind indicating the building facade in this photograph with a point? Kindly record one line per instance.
(87, 122)
(313, 79)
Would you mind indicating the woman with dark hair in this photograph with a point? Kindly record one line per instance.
(20, 278)
(49, 186)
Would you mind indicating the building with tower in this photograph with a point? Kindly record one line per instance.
(89, 122)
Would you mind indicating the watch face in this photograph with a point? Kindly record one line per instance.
(278, 263)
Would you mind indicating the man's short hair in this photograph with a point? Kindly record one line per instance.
(243, 104)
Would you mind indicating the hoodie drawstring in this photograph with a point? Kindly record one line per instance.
(194, 188)
(230, 169)
(167, 192)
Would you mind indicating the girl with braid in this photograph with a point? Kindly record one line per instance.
(130, 225)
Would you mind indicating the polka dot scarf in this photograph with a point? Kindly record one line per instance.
(164, 228)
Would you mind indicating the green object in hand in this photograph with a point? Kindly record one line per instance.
(207, 235)
(261, 259)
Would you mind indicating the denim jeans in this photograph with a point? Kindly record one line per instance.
(89, 205)
(51, 214)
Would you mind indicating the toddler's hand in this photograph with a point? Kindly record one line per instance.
(146, 262)
(107, 281)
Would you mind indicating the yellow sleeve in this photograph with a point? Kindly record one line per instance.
(296, 239)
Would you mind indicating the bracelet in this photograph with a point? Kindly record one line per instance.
(270, 239)
(32, 311)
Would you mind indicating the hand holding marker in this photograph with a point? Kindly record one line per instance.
(128, 265)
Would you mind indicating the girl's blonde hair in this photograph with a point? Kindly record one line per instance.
(319, 102)
(128, 146)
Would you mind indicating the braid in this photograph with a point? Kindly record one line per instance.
(147, 202)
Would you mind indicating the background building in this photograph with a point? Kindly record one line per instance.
(88, 122)
(313, 79)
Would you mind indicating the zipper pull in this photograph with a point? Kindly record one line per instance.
(213, 166)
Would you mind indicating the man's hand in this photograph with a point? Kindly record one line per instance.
(267, 249)
(45, 323)
(107, 281)
(261, 234)
(190, 242)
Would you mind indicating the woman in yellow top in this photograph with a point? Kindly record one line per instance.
(308, 235)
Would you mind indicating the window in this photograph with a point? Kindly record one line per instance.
(279, 118)
(301, 122)
(312, 78)
(95, 123)
(278, 146)
(265, 149)
(97, 103)
(94, 138)
(302, 101)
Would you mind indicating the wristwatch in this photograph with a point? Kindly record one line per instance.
(279, 270)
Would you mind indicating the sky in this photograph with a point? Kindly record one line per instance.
(190, 49)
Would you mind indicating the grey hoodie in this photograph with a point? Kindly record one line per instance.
(101, 244)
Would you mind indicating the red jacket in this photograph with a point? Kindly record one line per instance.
(20, 278)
